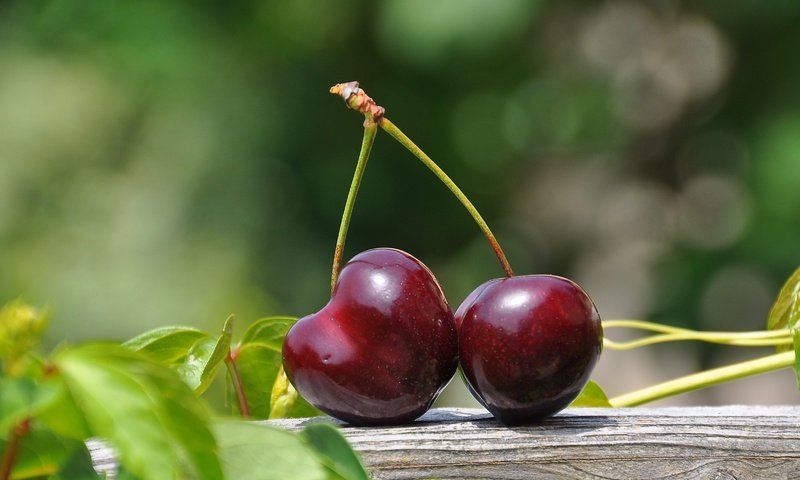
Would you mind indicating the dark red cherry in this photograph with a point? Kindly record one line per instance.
(527, 345)
(384, 346)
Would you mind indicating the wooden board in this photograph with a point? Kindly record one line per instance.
(741, 442)
(710, 442)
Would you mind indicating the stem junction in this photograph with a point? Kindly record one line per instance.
(358, 100)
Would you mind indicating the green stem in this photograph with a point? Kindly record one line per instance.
(761, 338)
(398, 135)
(370, 129)
(238, 386)
(677, 337)
(657, 327)
(12, 448)
(704, 379)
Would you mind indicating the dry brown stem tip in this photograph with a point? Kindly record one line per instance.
(358, 100)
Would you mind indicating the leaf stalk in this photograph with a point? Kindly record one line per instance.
(238, 385)
(18, 432)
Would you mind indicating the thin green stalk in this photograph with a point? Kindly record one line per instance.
(704, 379)
(761, 338)
(677, 337)
(370, 129)
(398, 135)
(657, 327)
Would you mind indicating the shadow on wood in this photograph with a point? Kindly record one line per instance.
(735, 442)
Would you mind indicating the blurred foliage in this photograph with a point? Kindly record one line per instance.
(172, 162)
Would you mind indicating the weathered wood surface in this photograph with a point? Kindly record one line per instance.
(735, 442)
(708, 442)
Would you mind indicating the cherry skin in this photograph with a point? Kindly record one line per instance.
(527, 345)
(382, 349)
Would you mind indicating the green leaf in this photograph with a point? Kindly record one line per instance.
(303, 409)
(143, 408)
(43, 453)
(63, 417)
(123, 474)
(167, 345)
(78, 466)
(268, 331)
(194, 354)
(21, 398)
(282, 397)
(258, 369)
(259, 361)
(335, 452)
(591, 396)
(253, 451)
(220, 352)
(785, 312)
(191, 367)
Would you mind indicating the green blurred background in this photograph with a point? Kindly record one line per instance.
(173, 162)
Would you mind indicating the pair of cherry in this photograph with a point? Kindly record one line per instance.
(387, 343)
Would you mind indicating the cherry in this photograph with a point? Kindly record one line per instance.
(382, 349)
(527, 345)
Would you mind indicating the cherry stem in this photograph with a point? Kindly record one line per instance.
(401, 137)
(357, 99)
(370, 129)
(705, 379)
(12, 447)
(668, 333)
(238, 386)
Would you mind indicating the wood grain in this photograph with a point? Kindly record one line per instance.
(710, 442)
(733, 442)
